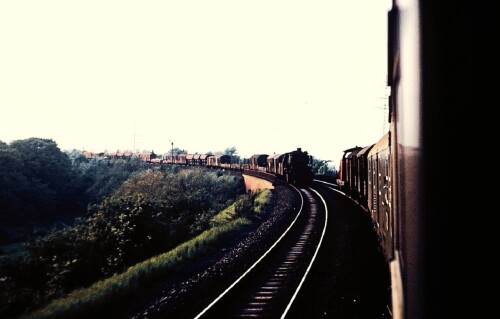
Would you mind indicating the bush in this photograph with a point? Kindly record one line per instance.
(150, 213)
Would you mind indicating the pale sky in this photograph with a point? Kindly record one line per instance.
(263, 76)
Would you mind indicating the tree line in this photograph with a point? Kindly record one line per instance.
(123, 213)
(40, 184)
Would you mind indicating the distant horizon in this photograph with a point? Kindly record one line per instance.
(139, 151)
(264, 77)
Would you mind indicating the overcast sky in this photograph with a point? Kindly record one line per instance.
(263, 76)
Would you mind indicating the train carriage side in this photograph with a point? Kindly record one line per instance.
(212, 161)
(167, 158)
(430, 58)
(202, 160)
(362, 167)
(380, 196)
(181, 159)
(274, 164)
(190, 159)
(218, 161)
(196, 159)
(145, 156)
(258, 162)
(343, 181)
(352, 172)
(226, 161)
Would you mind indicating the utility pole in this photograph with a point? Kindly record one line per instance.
(172, 150)
(135, 141)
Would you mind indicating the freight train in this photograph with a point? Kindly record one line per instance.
(292, 167)
(396, 178)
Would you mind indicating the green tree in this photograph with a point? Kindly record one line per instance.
(37, 185)
(322, 167)
(13, 183)
(103, 177)
(230, 151)
(233, 152)
(46, 165)
(14, 192)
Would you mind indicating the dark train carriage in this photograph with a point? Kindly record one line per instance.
(362, 174)
(258, 162)
(218, 160)
(379, 200)
(146, 156)
(179, 159)
(225, 159)
(345, 180)
(196, 159)
(274, 164)
(190, 159)
(202, 160)
(352, 175)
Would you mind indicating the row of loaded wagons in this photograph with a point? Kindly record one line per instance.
(293, 167)
(223, 161)
(274, 164)
(179, 159)
(127, 155)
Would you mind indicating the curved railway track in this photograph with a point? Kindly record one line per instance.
(324, 264)
(350, 278)
(268, 288)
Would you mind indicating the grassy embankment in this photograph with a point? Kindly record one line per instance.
(141, 275)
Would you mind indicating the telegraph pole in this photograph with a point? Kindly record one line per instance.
(135, 141)
(172, 150)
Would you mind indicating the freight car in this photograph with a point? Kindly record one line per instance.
(218, 160)
(258, 162)
(179, 159)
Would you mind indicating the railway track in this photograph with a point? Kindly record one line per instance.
(268, 288)
(319, 266)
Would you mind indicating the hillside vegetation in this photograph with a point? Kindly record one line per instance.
(129, 223)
